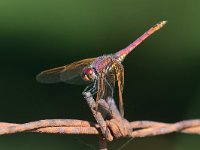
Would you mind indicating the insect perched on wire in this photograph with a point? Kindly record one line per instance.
(101, 73)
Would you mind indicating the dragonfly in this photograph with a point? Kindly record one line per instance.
(100, 74)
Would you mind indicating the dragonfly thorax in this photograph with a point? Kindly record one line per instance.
(89, 74)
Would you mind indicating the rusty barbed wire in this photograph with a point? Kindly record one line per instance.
(62, 126)
(114, 126)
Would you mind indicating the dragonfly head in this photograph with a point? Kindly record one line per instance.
(89, 74)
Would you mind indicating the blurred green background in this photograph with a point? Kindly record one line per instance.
(162, 76)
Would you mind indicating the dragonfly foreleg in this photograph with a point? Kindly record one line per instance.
(87, 89)
(91, 88)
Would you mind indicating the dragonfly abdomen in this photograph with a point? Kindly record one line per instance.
(120, 55)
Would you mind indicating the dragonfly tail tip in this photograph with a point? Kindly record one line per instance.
(164, 22)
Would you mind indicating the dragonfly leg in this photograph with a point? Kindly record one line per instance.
(91, 88)
(88, 87)
(93, 91)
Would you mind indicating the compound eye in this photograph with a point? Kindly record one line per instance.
(87, 71)
(87, 74)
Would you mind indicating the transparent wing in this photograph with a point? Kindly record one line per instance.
(110, 84)
(106, 84)
(117, 74)
(120, 81)
(70, 73)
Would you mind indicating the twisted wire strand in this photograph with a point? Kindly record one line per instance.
(70, 126)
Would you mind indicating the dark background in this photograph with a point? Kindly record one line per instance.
(161, 76)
